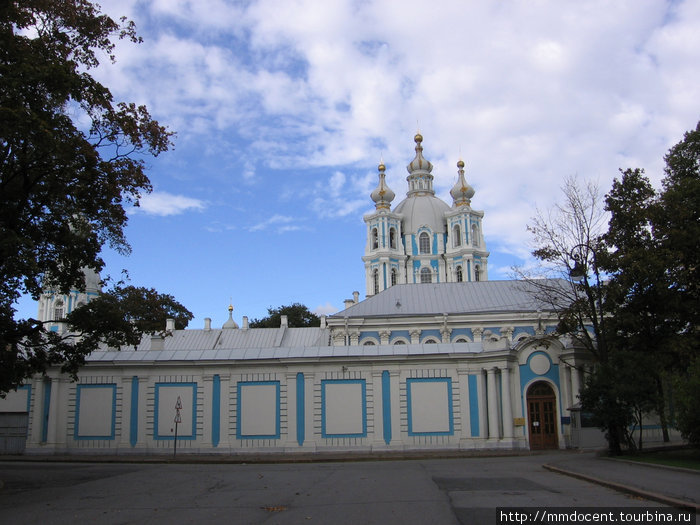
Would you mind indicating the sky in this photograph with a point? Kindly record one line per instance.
(284, 108)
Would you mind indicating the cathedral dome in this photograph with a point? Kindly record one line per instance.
(422, 210)
(421, 207)
(419, 164)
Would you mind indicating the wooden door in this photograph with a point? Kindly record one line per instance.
(542, 416)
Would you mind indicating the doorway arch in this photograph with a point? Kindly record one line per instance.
(542, 416)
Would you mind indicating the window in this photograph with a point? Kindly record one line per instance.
(375, 281)
(368, 343)
(477, 273)
(459, 275)
(475, 235)
(430, 342)
(399, 342)
(424, 243)
(58, 310)
(375, 239)
(392, 238)
(393, 276)
(456, 236)
(426, 276)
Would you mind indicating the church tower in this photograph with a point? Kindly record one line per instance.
(385, 257)
(423, 240)
(54, 306)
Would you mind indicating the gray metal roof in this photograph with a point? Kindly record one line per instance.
(449, 298)
(252, 354)
(235, 339)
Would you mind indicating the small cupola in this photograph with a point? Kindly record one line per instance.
(382, 194)
(230, 324)
(420, 181)
(461, 192)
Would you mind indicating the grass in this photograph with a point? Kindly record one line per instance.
(685, 458)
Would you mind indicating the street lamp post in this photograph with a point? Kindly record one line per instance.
(178, 420)
(585, 260)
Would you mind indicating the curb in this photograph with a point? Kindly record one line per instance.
(620, 487)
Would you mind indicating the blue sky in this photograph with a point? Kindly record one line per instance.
(283, 109)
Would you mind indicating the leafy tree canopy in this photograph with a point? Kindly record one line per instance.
(71, 159)
(297, 314)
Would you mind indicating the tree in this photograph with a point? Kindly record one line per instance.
(568, 242)
(645, 315)
(297, 314)
(118, 317)
(64, 184)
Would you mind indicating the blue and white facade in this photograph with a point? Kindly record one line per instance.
(436, 357)
(423, 240)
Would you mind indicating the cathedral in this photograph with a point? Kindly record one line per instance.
(436, 357)
(423, 240)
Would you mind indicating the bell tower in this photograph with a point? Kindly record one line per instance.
(385, 256)
(55, 306)
(465, 253)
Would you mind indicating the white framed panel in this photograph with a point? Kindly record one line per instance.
(258, 409)
(166, 396)
(344, 408)
(95, 411)
(429, 403)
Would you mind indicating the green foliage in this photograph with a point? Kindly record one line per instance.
(122, 315)
(687, 402)
(71, 158)
(645, 314)
(118, 317)
(297, 314)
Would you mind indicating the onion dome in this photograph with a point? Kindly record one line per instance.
(461, 192)
(420, 181)
(230, 324)
(419, 163)
(382, 195)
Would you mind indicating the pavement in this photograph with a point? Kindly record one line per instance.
(676, 487)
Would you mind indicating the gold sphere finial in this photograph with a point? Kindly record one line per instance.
(460, 163)
(418, 138)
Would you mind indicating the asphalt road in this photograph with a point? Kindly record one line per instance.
(435, 491)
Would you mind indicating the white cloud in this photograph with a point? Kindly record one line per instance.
(163, 204)
(280, 223)
(325, 309)
(529, 93)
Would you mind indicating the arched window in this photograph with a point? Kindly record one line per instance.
(426, 276)
(368, 343)
(399, 342)
(459, 275)
(58, 310)
(392, 238)
(375, 281)
(475, 235)
(430, 342)
(456, 235)
(477, 273)
(393, 276)
(375, 239)
(424, 243)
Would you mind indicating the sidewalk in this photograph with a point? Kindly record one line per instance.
(668, 485)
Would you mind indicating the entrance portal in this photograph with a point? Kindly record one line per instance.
(542, 416)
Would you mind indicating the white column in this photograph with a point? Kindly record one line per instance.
(492, 402)
(507, 406)
(575, 384)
